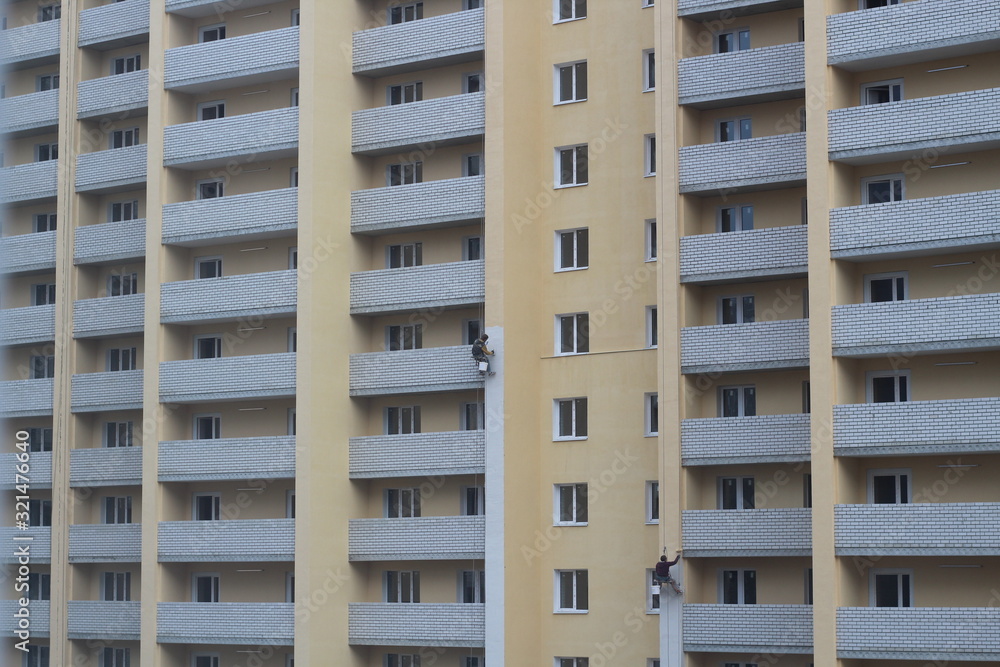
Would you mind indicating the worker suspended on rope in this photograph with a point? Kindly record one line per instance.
(481, 354)
(661, 574)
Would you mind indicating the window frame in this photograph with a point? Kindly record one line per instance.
(208, 259)
(416, 88)
(652, 599)
(216, 587)
(889, 3)
(215, 658)
(126, 358)
(46, 152)
(652, 327)
(122, 586)
(738, 218)
(898, 473)
(418, 12)
(135, 60)
(741, 403)
(649, 155)
(44, 222)
(415, 176)
(468, 78)
(898, 373)
(576, 488)
(648, 70)
(651, 413)
(651, 240)
(398, 335)
(574, 68)
(216, 418)
(129, 428)
(466, 242)
(577, 233)
(574, 6)
(738, 41)
(580, 340)
(463, 416)
(218, 182)
(575, 405)
(868, 180)
(890, 83)
(652, 496)
(888, 275)
(479, 588)
(875, 572)
(741, 307)
(119, 507)
(399, 588)
(741, 499)
(218, 105)
(403, 509)
(216, 498)
(557, 608)
(741, 585)
(388, 422)
(478, 492)
(219, 28)
(738, 125)
(576, 170)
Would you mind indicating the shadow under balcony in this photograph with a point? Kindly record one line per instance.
(748, 628)
(109, 390)
(918, 633)
(105, 543)
(756, 254)
(246, 623)
(722, 348)
(27, 326)
(751, 76)
(25, 254)
(748, 165)
(418, 538)
(444, 121)
(740, 440)
(444, 203)
(419, 624)
(431, 287)
(432, 42)
(777, 531)
(109, 316)
(229, 298)
(262, 457)
(226, 541)
(418, 454)
(434, 369)
(264, 135)
(262, 57)
(228, 378)
(258, 215)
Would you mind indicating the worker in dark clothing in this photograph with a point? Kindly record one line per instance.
(662, 572)
(481, 353)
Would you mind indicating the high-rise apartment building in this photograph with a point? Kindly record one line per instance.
(738, 260)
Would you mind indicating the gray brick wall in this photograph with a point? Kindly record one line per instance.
(29, 182)
(919, 633)
(113, 22)
(39, 611)
(111, 390)
(228, 378)
(416, 454)
(108, 316)
(232, 217)
(229, 297)
(768, 71)
(110, 242)
(414, 371)
(267, 457)
(26, 398)
(380, 210)
(912, 26)
(40, 467)
(253, 134)
(244, 540)
(394, 127)
(918, 529)
(35, 41)
(760, 439)
(725, 166)
(28, 253)
(106, 466)
(733, 347)
(105, 543)
(452, 284)
(441, 37)
(420, 538)
(112, 94)
(29, 112)
(777, 251)
(31, 324)
(249, 623)
(113, 168)
(916, 427)
(422, 624)
(749, 628)
(91, 619)
(274, 52)
(702, 7)
(970, 321)
(784, 531)
(40, 543)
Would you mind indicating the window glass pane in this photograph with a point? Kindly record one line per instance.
(567, 333)
(566, 83)
(748, 309)
(566, 503)
(729, 493)
(884, 489)
(581, 81)
(729, 310)
(880, 290)
(566, 167)
(730, 587)
(886, 590)
(749, 401)
(583, 332)
(581, 503)
(748, 493)
(879, 192)
(884, 389)
(582, 167)
(565, 590)
(566, 250)
(746, 217)
(730, 402)
(581, 417)
(582, 247)
(749, 587)
(727, 223)
(565, 418)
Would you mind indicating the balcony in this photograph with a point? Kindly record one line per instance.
(111, 390)
(742, 77)
(30, 45)
(26, 398)
(40, 465)
(115, 25)
(739, 440)
(227, 541)
(104, 621)
(421, 538)
(756, 254)
(397, 128)
(748, 628)
(202, 8)
(112, 170)
(246, 623)
(34, 113)
(108, 316)
(30, 183)
(38, 540)
(414, 371)
(265, 135)
(911, 32)
(27, 326)
(919, 633)
(39, 613)
(418, 455)
(445, 203)
(765, 163)
(898, 130)
(259, 215)
(105, 466)
(110, 242)
(432, 287)
(122, 95)
(228, 378)
(422, 624)
(105, 543)
(917, 326)
(919, 529)
(747, 533)
(724, 348)
(699, 10)
(271, 294)
(432, 42)
(265, 457)
(246, 60)
(28, 253)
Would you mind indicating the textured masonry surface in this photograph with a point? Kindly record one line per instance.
(39, 609)
(28, 182)
(730, 347)
(919, 633)
(105, 543)
(105, 466)
(254, 213)
(112, 94)
(41, 543)
(31, 324)
(441, 37)
(422, 624)
(269, 457)
(774, 160)
(41, 470)
(229, 297)
(247, 540)
(775, 251)
(114, 21)
(226, 378)
(111, 390)
(254, 134)
(748, 628)
(26, 398)
(249, 623)
(116, 621)
(410, 371)
(108, 316)
(756, 532)
(413, 454)
(29, 112)
(418, 204)
(687, 7)
(28, 252)
(273, 51)
(919, 529)
(111, 168)
(110, 241)
(397, 126)
(724, 76)
(419, 538)
(722, 440)
(29, 42)
(452, 284)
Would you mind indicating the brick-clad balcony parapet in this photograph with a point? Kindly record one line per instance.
(919, 633)
(271, 294)
(26, 398)
(420, 624)
(33, 113)
(28, 325)
(105, 466)
(264, 56)
(39, 613)
(228, 378)
(784, 531)
(107, 621)
(414, 371)
(419, 538)
(434, 286)
(114, 25)
(751, 76)
(778, 161)
(201, 8)
(911, 32)
(731, 440)
(704, 9)
(245, 623)
(243, 540)
(265, 457)
(883, 132)
(110, 390)
(431, 42)
(748, 628)
(399, 127)
(41, 470)
(108, 316)
(418, 206)
(41, 544)
(239, 217)
(111, 95)
(951, 323)
(111, 170)
(105, 543)
(110, 242)
(30, 45)
(743, 347)
(31, 182)
(921, 528)
(28, 253)
(755, 253)
(262, 135)
(418, 454)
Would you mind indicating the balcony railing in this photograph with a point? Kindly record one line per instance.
(737, 440)
(105, 621)
(919, 633)
(30, 45)
(34, 113)
(28, 253)
(418, 454)
(443, 203)
(422, 624)
(776, 252)
(742, 77)
(414, 371)
(401, 127)
(748, 628)
(419, 538)
(228, 298)
(748, 532)
(922, 528)
(111, 170)
(110, 390)
(112, 95)
(38, 616)
(110, 242)
(431, 42)
(240, 217)
(108, 316)
(26, 398)
(777, 161)
(228, 378)
(706, 9)
(115, 25)
(28, 183)
(265, 457)
(40, 466)
(105, 466)
(743, 347)
(28, 325)
(246, 623)
(105, 543)
(202, 8)
(40, 541)
(435, 286)
(265, 135)
(243, 540)
(236, 61)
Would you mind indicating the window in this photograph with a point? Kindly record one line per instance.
(404, 337)
(44, 222)
(649, 70)
(206, 507)
(473, 417)
(295, 97)
(571, 82)
(881, 92)
(404, 254)
(572, 662)
(293, 177)
(207, 427)
(890, 588)
(653, 502)
(889, 486)
(296, 19)
(212, 33)
(123, 284)
(290, 504)
(402, 586)
(471, 329)
(118, 434)
(472, 165)
(122, 359)
(47, 82)
(39, 586)
(808, 586)
(871, 4)
(209, 189)
(572, 165)
(116, 657)
(735, 218)
(43, 294)
(208, 346)
(49, 12)
(404, 93)
(118, 509)
(472, 589)
(43, 366)
(732, 40)
(570, 505)
(406, 13)
(651, 240)
(46, 152)
(473, 500)
(652, 599)
(402, 420)
(293, 258)
(207, 267)
(472, 248)
(472, 661)
(473, 83)
(571, 419)
(571, 591)
(738, 587)
(881, 287)
(650, 155)
(882, 189)
(733, 129)
(888, 386)
(212, 110)
(736, 309)
(807, 490)
(116, 586)
(652, 332)
(292, 425)
(39, 439)
(289, 587)
(738, 401)
(402, 660)
(126, 64)
(652, 410)
(123, 210)
(572, 249)
(569, 10)
(36, 656)
(205, 588)
(573, 333)
(204, 660)
(39, 512)
(736, 493)
(402, 503)
(293, 339)
(404, 173)
(806, 397)
(124, 138)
